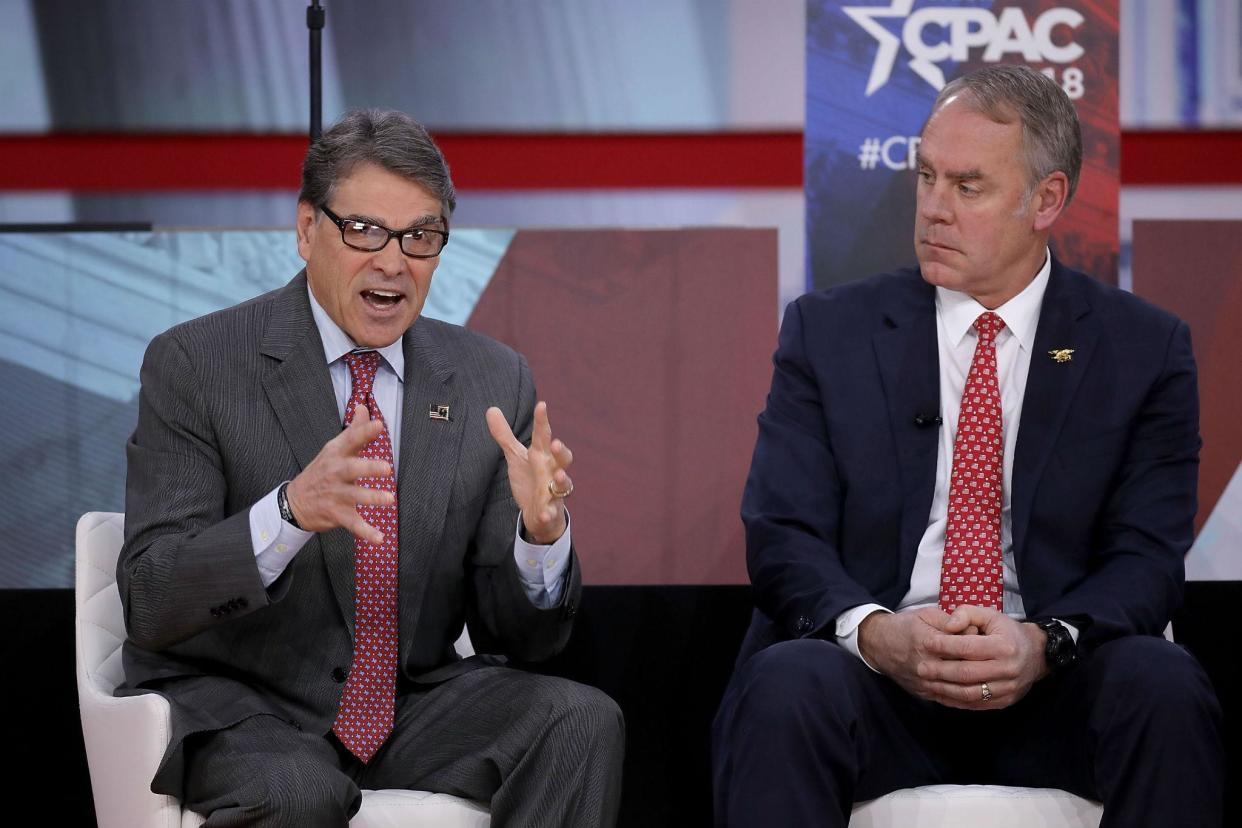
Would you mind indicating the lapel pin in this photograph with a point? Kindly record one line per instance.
(439, 412)
(1061, 354)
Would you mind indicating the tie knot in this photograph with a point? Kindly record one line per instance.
(988, 325)
(362, 368)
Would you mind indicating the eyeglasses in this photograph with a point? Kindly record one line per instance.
(415, 242)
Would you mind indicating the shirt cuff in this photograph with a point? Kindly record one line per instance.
(542, 568)
(847, 628)
(274, 541)
(1073, 631)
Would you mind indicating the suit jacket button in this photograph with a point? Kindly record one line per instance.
(242, 602)
(571, 609)
(804, 624)
(215, 612)
(339, 675)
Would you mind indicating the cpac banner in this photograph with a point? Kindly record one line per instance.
(874, 68)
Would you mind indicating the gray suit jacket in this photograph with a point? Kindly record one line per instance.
(232, 404)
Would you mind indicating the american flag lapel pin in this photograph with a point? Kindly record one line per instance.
(439, 412)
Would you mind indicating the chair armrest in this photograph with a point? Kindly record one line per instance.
(125, 740)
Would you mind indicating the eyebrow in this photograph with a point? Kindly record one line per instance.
(422, 221)
(973, 174)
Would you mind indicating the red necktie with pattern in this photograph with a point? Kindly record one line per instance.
(972, 569)
(365, 717)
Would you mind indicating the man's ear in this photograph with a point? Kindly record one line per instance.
(1050, 198)
(305, 227)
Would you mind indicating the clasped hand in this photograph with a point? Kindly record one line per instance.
(947, 658)
(326, 494)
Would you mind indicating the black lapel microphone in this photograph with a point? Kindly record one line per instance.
(924, 420)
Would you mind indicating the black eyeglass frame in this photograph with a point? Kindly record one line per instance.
(392, 234)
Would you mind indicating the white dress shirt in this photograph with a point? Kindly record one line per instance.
(275, 542)
(956, 313)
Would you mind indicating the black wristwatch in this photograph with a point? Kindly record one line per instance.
(1061, 652)
(282, 503)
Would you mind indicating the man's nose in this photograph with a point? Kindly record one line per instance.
(389, 259)
(933, 204)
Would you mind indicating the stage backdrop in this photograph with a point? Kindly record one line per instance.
(651, 347)
(1192, 268)
(873, 69)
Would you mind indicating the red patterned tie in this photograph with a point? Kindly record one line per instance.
(365, 717)
(972, 571)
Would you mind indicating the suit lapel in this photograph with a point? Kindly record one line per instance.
(909, 364)
(1064, 322)
(300, 391)
(429, 453)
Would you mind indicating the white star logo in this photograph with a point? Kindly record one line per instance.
(886, 54)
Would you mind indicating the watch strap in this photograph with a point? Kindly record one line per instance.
(1061, 651)
(282, 503)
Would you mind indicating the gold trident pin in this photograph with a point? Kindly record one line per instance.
(439, 412)
(1061, 354)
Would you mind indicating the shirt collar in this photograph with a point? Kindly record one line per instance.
(337, 343)
(958, 311)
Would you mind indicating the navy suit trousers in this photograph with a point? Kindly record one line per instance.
(806, 730)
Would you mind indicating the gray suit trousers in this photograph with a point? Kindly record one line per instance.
(543, 751)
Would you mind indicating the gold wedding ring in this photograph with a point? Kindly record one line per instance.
(552, 490)
(987, 692)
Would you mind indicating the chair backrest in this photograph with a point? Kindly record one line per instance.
(126, 737)
(100, 624)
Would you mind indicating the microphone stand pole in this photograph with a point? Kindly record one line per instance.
(314, 22)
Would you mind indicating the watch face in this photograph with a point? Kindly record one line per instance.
(1061, 652)
(1065, 657)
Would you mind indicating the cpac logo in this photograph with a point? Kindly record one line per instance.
(1009, 34)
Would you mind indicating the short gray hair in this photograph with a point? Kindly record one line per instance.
(1051, 135)
(390, 139)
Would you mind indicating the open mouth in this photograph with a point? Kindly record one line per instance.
(382, 299)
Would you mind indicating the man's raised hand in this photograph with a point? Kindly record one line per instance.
(538, 475)
(326, 495)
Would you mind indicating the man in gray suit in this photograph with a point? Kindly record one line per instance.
(294, 588)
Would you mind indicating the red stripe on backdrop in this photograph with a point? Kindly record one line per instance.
(1181, 158)
(139, 163)
(148, 162)
(95, 163)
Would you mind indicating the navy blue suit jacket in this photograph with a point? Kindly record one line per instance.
(1104, 472)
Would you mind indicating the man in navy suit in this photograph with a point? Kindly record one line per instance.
(966, 516)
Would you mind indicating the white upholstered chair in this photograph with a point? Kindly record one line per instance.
(126, 737)
(978, 806)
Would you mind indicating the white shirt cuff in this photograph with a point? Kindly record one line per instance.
(847, 628)
(274, 541)
(1073, 631)
(542, 568)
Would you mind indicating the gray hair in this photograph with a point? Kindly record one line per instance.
(1051, 135)
(390, 139)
